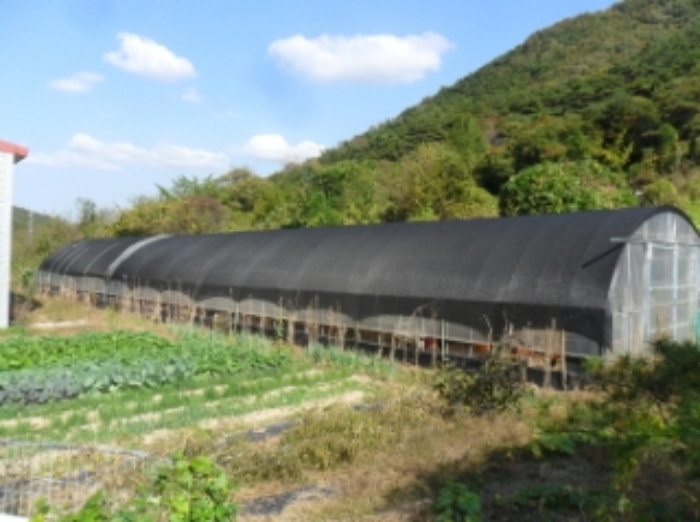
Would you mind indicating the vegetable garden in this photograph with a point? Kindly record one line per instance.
(68, 402)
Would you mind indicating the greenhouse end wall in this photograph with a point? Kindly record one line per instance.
(655, 288)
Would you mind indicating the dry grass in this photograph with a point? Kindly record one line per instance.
(401, 480)
(57, 316)
(385, 463)
(403, 454)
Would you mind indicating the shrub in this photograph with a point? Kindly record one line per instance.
(647, 419)
(555, 188)
(455, 503)
(495, 387)
(187, 491)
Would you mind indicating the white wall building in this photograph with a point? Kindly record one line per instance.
(9, 155)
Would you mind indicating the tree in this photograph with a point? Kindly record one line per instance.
(186, 215)
(321, 194)
(668, 149)
(466, 138)
(432, 182)
(555, 188)
(549, 138)
(185, 187)
(92, 221)
(239, 189)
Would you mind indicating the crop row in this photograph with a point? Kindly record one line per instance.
(41, 385)
(22, 351)
(185, 358)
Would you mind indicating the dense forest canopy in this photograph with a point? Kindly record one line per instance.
(597, 111)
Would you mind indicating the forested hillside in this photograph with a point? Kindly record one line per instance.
(601, 110)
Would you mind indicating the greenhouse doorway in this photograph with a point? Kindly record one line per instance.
(671, 276)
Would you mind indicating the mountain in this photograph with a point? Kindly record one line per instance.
(597, 111)
(567, 68)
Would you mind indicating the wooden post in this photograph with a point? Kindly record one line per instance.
(443, 344)
(290, 330)
(548, 355)
(263, 321)
(564, 376)
(341, 337)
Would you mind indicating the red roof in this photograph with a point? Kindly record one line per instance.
(18, 151)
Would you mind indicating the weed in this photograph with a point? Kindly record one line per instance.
(647, 419)
(212, 394)
(335, 356)
(495, 387)
(322, 440)
(193, 490)
(456, 503)
(72, 420)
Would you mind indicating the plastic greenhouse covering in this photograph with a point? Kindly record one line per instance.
(611, 280)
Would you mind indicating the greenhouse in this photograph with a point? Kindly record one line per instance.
(581, 284)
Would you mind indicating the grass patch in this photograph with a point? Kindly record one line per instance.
(350, 359)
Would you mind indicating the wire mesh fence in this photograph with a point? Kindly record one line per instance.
(64, 476)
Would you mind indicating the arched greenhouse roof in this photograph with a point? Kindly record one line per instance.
(529, 267)
(87, 257)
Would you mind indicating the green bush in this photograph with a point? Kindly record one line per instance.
(456, 503)
(495, 387)
(647, 418)
(556, 188)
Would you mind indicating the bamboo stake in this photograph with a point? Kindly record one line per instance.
(564, 375)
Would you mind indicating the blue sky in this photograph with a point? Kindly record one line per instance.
(115, 96)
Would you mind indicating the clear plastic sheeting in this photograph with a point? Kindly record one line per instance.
(655, 287)
(553, 341)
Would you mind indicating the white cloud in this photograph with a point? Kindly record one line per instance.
(275, 147)
(85, 151)
(191, 95)
(147, 57)
(69, 158)
(378, 58)
(79, 82)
